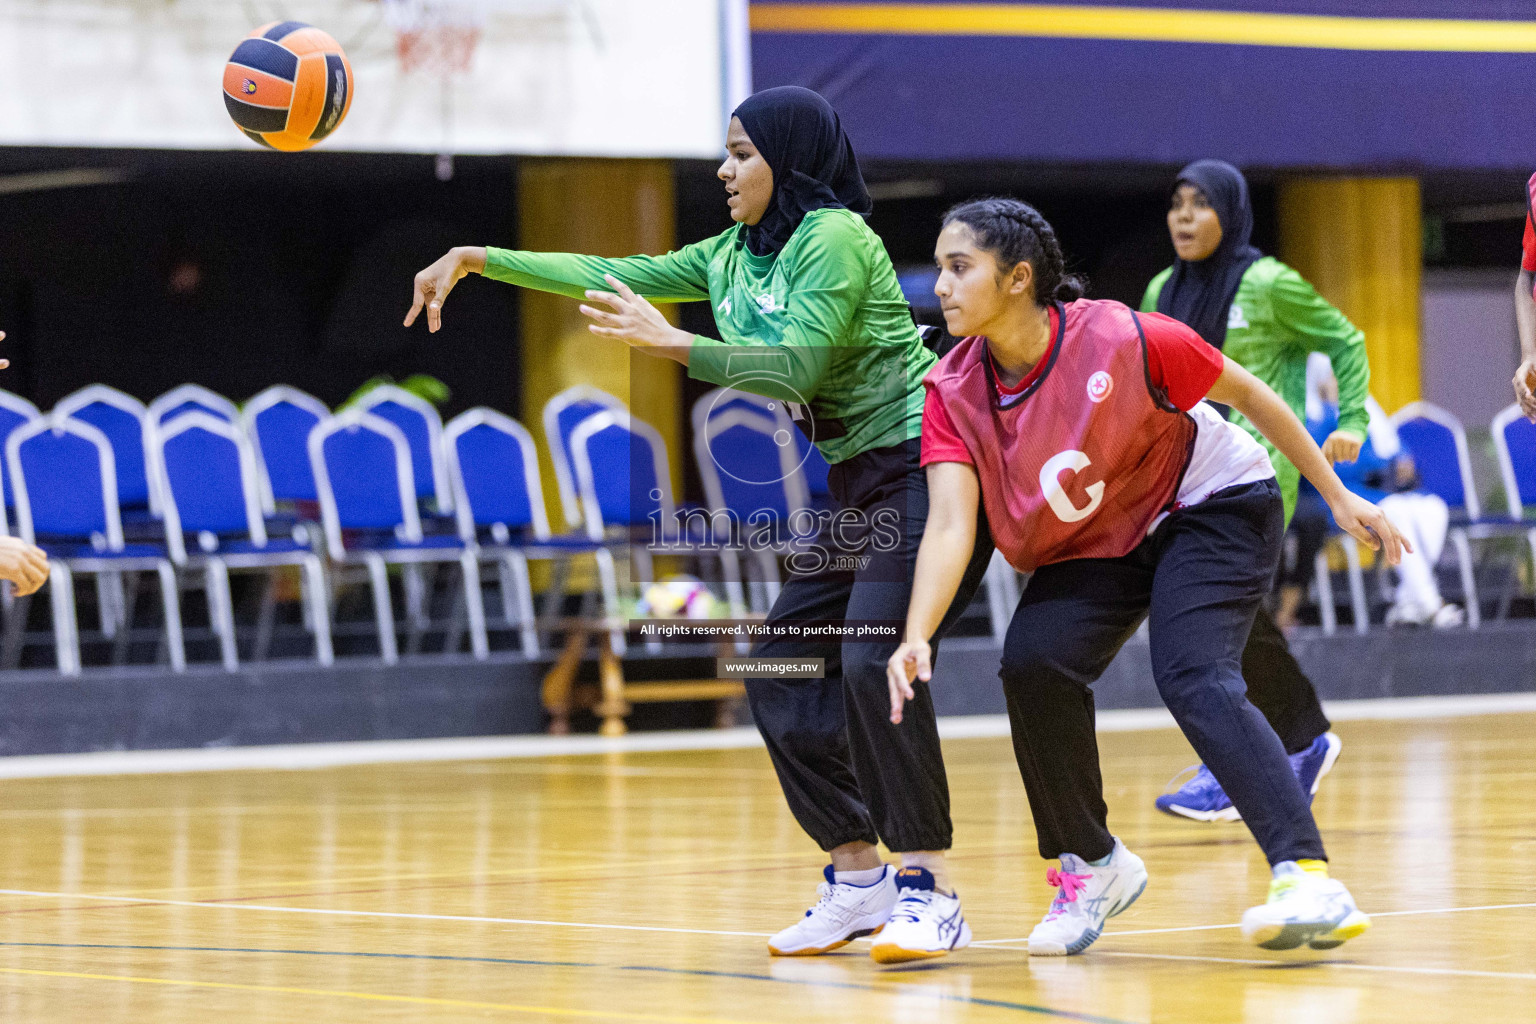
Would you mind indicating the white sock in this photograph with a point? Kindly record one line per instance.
(860, 878)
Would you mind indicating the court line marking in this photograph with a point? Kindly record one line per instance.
(301, 756)
(140, 901)
(1216, 927)
(1332, 965)
(907, 988)
(464, 1004)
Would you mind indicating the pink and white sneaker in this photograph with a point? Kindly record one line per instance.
(1089, 896)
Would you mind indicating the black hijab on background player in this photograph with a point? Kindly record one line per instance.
(1200, 294)
(799, 135)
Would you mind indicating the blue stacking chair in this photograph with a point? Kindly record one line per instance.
(278, 422)
(1514, 440)
(65, 478)
(181, 399)
(15, 411)
(121, 418)
(499, 504)
(624, 483)
(211, 494)
(1438, 443)
(751, 460)
(562, 414)
(367, 488)
(418, 420)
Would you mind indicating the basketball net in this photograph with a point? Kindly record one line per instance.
(436, 37)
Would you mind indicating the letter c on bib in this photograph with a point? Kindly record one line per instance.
(1050, 486)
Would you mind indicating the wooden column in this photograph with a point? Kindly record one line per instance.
(600, 208)
(1359, 241)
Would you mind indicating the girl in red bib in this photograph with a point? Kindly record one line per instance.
(1079, 427)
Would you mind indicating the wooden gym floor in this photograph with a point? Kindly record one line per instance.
(640, 887)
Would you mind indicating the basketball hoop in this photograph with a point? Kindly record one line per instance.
(436, 37)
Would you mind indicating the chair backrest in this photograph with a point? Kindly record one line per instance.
(15, 411)
(747, 456)
(121, 418)
(562, 414)
(1438, 443)
(210, 477)
(494, 469)
(363, 475)
(622, 474)
(278, 422)
(419, 421)
(66, 481)
(1514, 439)
(191, 398)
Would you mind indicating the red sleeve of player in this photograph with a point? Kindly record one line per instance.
(1528, 247)
(941, 443)
(1179, 361)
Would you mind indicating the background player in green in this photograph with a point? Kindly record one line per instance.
(802, 281)
(1265, 317)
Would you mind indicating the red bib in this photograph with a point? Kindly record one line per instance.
(1080, 463)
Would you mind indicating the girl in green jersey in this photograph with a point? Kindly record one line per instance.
(801, 278)
(1268, 319)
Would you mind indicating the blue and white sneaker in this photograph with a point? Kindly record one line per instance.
(1089, 896)
(843, 913)
(1312, 764)
(926, 923)
(1201, 798)
(1304, 906)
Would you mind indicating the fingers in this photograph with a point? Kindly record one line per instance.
(418, 299)
(619, 286)
(898, 674)
(4, 362)
(601, 316)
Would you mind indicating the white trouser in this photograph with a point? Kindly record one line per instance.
(1423, 519)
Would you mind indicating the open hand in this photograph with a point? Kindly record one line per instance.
(23, 564)
(634, 321)
(1369, 525)
(912, 660)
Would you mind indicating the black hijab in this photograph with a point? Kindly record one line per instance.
(813, 165)
(1200, 294)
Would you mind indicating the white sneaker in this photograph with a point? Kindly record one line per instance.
(844, 913)
(1089, 896)
(925, 924)
(1304, 908)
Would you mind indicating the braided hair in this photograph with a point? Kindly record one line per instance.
(1014, 232)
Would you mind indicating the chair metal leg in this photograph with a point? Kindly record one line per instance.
(15, 628)
(1468, 577)
(608, 579)
(474, 601)
(515, 565)
(266, 615)
(128, 600)
(1325, 608)
(735, 595)
(415, 584)
(170, 598)
(317, 609)
(384, 615)
(66, 634)
(221, 612)
(770, 565)
(1357, 600)
(109, 602)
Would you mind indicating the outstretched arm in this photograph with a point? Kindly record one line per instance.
(675, 277)
(949, 537)
(1275, 420)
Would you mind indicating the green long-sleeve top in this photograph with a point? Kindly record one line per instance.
(1275, 321)
(823, 323)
